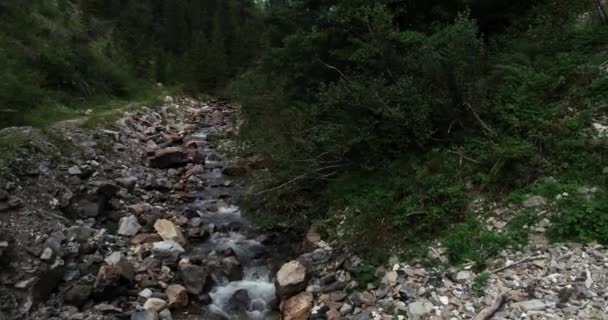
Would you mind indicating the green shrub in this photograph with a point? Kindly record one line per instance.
(582, 219)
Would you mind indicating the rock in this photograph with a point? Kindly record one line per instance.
(240, 301)
(46, 282)
(165, 315)
(145, 238)
(80, 233)
(145, 293)
(367, 298)
(75, 171)
(297, 307)
(47, 254)
(194, 277)
(463, 276)
(535, 201)
(155, 304)
(177, 295)
(169, 231)
(114, 258)
(145, 315)
(171, 157)
(291, 279)
(112, 279)
(78, 295)
(420, 308)
(128, 226)
(232, 268)
(127, 182)
(333, 314)
(167, 250)
(532, 305)
(346, 309)
(390, 278)
(235, 171)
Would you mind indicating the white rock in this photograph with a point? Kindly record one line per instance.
(420, 308)
(463, 276)
(155, 304)
(532, 305)
(145, 293)
(47, 254)
(113, 258)
(75, 171)
(444, 300)
(128, 226)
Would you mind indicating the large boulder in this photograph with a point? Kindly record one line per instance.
(297, 307)
(171, 157)
(291, 279)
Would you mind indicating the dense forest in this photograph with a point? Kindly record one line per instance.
(382, 119)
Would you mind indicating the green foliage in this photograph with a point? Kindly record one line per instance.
(366, 275)
(480, 283)
(581, 218)
(470, 241)
(385, 122)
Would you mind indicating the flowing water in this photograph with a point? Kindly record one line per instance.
(252, 296)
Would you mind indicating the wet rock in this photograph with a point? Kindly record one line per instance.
(177, 295)
(128, 226)
(171, 157)
(297, 307)
(239, 301)
(291, 279)
(194, 277)
(169, 231)
(78, 295)
(167, 250)
(232, 268)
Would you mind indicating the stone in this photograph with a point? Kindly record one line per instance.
(333, 314)
(177, 295)
(297, 307)
(155, 304)
(169, 231)
(145, 293)
(128, 226)
(171, 157)
(46, 282)
(145, 315)
(165, 315)
(128, 183)
(534, 202)
(78, 295)
(390, 278)
(47, 254)
(111, 279)
(114, 258)
(80, 233)
(240, 301)
(463, 276)
(291, 279)
(346, 309)
(367, 298)
(145, 238)
(420, 308)
(167, 250)
(75, 171)
(194, 277)
(532, 305)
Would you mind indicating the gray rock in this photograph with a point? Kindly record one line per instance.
(534, 202)
(15, 202)
(167, 250)
(47, 254)
(3, 194)
(420, 308)
(78, 295)
(194, 277)
(128, 226)
(80, 233)
(532, 305)
(463, 276)
(127, 182)
(165, 315)
(75, 171)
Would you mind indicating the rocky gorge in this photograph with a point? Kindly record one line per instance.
(140, 221)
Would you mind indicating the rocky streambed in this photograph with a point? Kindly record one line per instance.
(140, 221)
(135, 221)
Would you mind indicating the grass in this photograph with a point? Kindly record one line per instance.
(480, 283)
